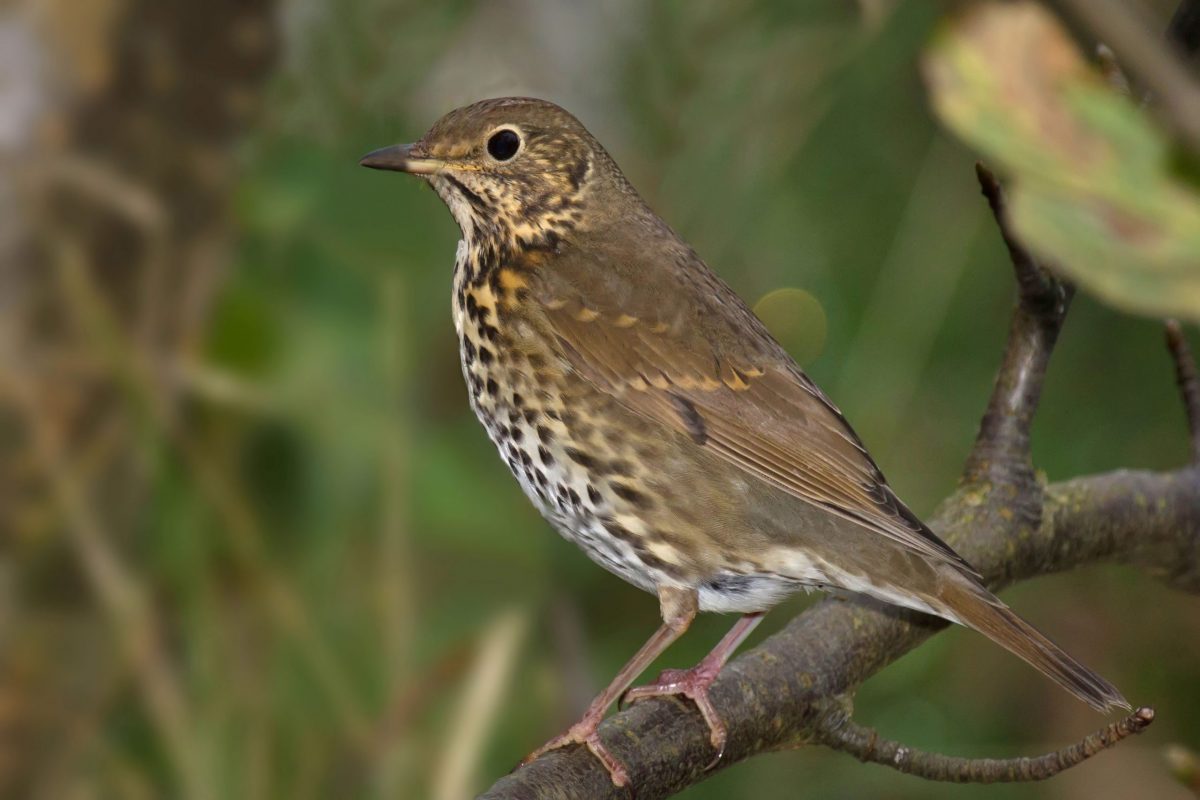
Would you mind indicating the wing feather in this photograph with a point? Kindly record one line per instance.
(712, 372)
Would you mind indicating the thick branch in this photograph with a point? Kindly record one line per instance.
(773, 696)
(842, 733)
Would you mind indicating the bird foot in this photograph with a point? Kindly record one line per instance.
(584, 732)
(692, 683)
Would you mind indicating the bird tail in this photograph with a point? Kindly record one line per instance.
(974, 606)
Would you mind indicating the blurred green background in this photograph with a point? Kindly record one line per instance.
(253, 543)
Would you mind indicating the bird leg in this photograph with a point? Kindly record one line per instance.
(694, 682)
(678, 607)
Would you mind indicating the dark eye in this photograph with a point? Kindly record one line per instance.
(504, 144)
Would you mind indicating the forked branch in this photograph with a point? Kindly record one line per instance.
(1001, 454)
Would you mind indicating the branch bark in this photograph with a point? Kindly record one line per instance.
(795, 688)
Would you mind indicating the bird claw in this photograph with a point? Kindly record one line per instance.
(693, 684)
(584, 732)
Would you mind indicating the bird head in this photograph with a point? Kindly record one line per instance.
(514, 165)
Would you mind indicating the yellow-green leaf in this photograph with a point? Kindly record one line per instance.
(1092, 187)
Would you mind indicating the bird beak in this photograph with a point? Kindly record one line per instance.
(400, 158)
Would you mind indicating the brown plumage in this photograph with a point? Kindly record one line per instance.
(652, 418)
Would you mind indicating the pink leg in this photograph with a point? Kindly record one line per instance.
(694, 682)
(678, 609)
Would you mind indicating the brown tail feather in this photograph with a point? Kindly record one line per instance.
(975, 607)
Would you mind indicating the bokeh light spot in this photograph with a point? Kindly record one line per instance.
(797, 319)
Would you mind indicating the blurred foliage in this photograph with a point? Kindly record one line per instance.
(1096, 186)
(326, 584)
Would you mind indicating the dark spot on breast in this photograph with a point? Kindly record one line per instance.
(472, 307)
(619, 531)
(468, 351)
(652, 561)
(492, 387)
(632, 496)
(544, 434)
(545, 456)
(517, 400)
(574, 495)
(516, 433)
(620, 467)
(593, 494)
(581, 458)
(486, 356)
(531, 415)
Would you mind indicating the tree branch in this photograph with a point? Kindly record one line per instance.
(842, 733)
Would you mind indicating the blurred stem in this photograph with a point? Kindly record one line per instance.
(479, 705)
(395, 578)
(121, 595)
(242, 530)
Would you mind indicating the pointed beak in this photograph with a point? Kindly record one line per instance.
(401, 158)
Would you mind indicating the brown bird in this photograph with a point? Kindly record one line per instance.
(652, 419)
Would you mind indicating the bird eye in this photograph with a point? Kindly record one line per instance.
(503, 144)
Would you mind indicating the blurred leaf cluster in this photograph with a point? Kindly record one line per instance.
(271, 554)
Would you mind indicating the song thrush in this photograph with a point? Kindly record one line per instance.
(652, 419)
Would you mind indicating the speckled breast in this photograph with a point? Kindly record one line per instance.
(534, 411)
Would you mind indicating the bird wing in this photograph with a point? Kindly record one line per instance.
(678, 346)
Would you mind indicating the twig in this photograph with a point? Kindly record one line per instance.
(842, 733)
(1189, 384)
(1001, 454)
(1158, 68)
